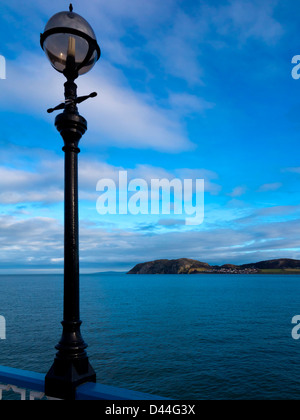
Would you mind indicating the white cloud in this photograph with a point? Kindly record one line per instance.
(118, 115)
(131, 120)
(43, 239)
(20, 239)
(270, 187)
(294, 170)
(43, 181)
(238, 191)
(186, 103)
(247, 20)
(209, 177)
(44, 184)
(178, 46)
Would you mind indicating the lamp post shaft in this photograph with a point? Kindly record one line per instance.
(71, 237)
(71, 229)
(71, 367)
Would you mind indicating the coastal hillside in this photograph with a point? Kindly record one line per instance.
(274, 264)
(180, 266)
(188, 266)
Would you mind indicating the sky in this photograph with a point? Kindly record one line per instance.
(187, 89)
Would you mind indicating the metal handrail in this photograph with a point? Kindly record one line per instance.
(23, 379)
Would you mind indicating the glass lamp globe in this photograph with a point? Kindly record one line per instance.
(70, 43)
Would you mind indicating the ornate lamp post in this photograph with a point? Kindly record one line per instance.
(71, 47)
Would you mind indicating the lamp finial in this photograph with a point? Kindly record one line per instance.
(71, 7)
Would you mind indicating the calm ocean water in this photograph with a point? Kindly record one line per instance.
(184, 337)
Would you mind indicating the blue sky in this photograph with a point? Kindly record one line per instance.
(186, 89)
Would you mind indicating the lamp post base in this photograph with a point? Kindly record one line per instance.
(65, 376)
(71, 366)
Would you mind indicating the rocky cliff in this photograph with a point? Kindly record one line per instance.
(180, 266)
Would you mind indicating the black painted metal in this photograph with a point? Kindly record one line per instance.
(71, 366)
(76, 101)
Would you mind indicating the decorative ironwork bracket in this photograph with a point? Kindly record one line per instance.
(72, 102)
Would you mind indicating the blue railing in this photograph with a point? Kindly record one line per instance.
(35, 383)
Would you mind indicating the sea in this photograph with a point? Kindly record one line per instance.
(185, 337)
